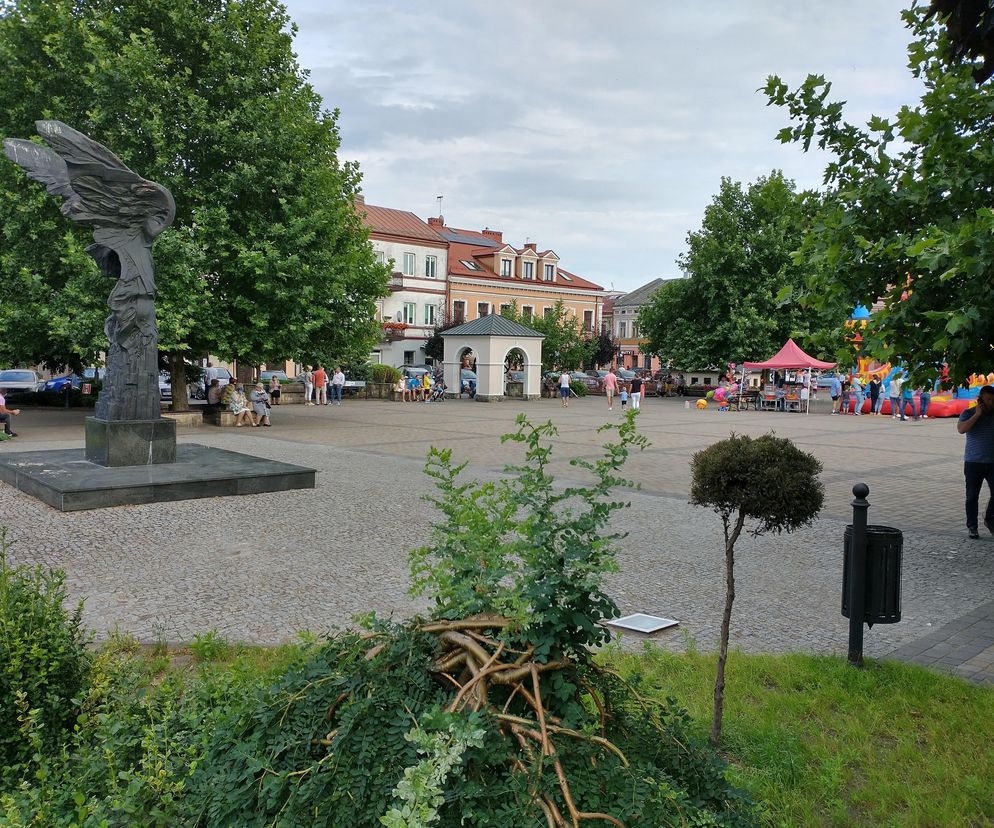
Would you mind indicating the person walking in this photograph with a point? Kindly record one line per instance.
(320, 385)
(894, 389)
(564, 389)
(337, 385)
(846, 388)
(636, 392)
(836, 392)
(275, 390)
(924, 399)
(908, 399)
(876, 397)
(857, 393)
(978, 458)
(610, 387)
(308, 376)
(6, 414)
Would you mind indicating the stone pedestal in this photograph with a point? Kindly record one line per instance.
(130, 442)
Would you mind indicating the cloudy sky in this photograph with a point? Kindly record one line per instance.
(599, 129)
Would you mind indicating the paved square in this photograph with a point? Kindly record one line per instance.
(259, 568)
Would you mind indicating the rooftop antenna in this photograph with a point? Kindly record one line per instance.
(438, 198)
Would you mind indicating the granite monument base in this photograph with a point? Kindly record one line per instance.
(67, 481)
(130, 442)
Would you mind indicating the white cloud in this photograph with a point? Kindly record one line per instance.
(599, 129)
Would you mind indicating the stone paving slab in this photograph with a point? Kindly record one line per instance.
(261, 567)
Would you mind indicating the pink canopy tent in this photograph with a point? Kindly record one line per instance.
(789, 356)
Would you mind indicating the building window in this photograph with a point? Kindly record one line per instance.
(505, 267)
(527, 312)
(408, 264)
(647, 361)
(429, 314)
(459, 311)
(483, 309)
(410, 313)
(635, 330)
(547, 313)
(431, 266)
(408, 357)
(470, 265)
(381, 257)
(622, 329)
(505, 310)
(588, 321)
(550, 272)
(528, 270)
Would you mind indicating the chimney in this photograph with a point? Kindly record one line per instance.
(436, 223)
(496, 235)
(533, 246)
(360, 199)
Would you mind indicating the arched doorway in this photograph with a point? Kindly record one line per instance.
(516, 374)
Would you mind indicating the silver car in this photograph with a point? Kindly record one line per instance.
(14, 380)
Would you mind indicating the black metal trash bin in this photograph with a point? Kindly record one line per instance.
(882, 601)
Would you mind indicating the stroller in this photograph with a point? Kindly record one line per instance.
(437, 393)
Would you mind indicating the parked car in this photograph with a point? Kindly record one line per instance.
(416, 370)
(265, 377)
(198, 391)
(15, 380)
(515, 376)
(592, 384)
(165, 386)
(60, 384)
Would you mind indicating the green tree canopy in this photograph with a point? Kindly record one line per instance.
(267, 258)
(738, 262)
(566, 346)
(908, 218)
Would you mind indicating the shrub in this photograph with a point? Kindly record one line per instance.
(768, 480)
(43, 663)
(384, 373)
(578, 388)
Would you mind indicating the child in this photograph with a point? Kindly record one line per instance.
(623, 396)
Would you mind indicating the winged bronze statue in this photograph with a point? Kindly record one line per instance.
(126, 213)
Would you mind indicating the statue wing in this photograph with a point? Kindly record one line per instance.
(100, 190)
(41, 164)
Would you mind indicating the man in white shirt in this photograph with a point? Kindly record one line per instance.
(564, 389)
(337, 384)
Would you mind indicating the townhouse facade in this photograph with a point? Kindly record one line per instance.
(417, 286)
(487, 275)
(625, 329)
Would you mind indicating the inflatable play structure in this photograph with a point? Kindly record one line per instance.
(944, 403)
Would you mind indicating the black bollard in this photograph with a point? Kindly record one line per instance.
(857, 573)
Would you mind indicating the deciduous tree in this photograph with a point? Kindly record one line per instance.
(908, 217)
(267, 258)
(737, 264)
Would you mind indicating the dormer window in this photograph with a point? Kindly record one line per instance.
(505, 267)
(528, 270)
(550, 272)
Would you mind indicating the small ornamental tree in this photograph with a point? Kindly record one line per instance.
(767, 480)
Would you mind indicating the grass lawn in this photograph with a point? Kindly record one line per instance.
(815, 741)
(818, 742)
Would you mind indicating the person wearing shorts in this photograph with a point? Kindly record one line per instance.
(610, 387)
(564, 388)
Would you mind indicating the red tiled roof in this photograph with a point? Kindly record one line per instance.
(397, 223)
(460, 252)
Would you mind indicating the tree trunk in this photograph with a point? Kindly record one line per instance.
(177, 380)
(726, 621)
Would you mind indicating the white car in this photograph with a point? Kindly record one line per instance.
(14, 380)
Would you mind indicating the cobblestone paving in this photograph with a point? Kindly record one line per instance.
(259, 568)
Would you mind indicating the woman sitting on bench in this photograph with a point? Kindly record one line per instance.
(238, 405)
